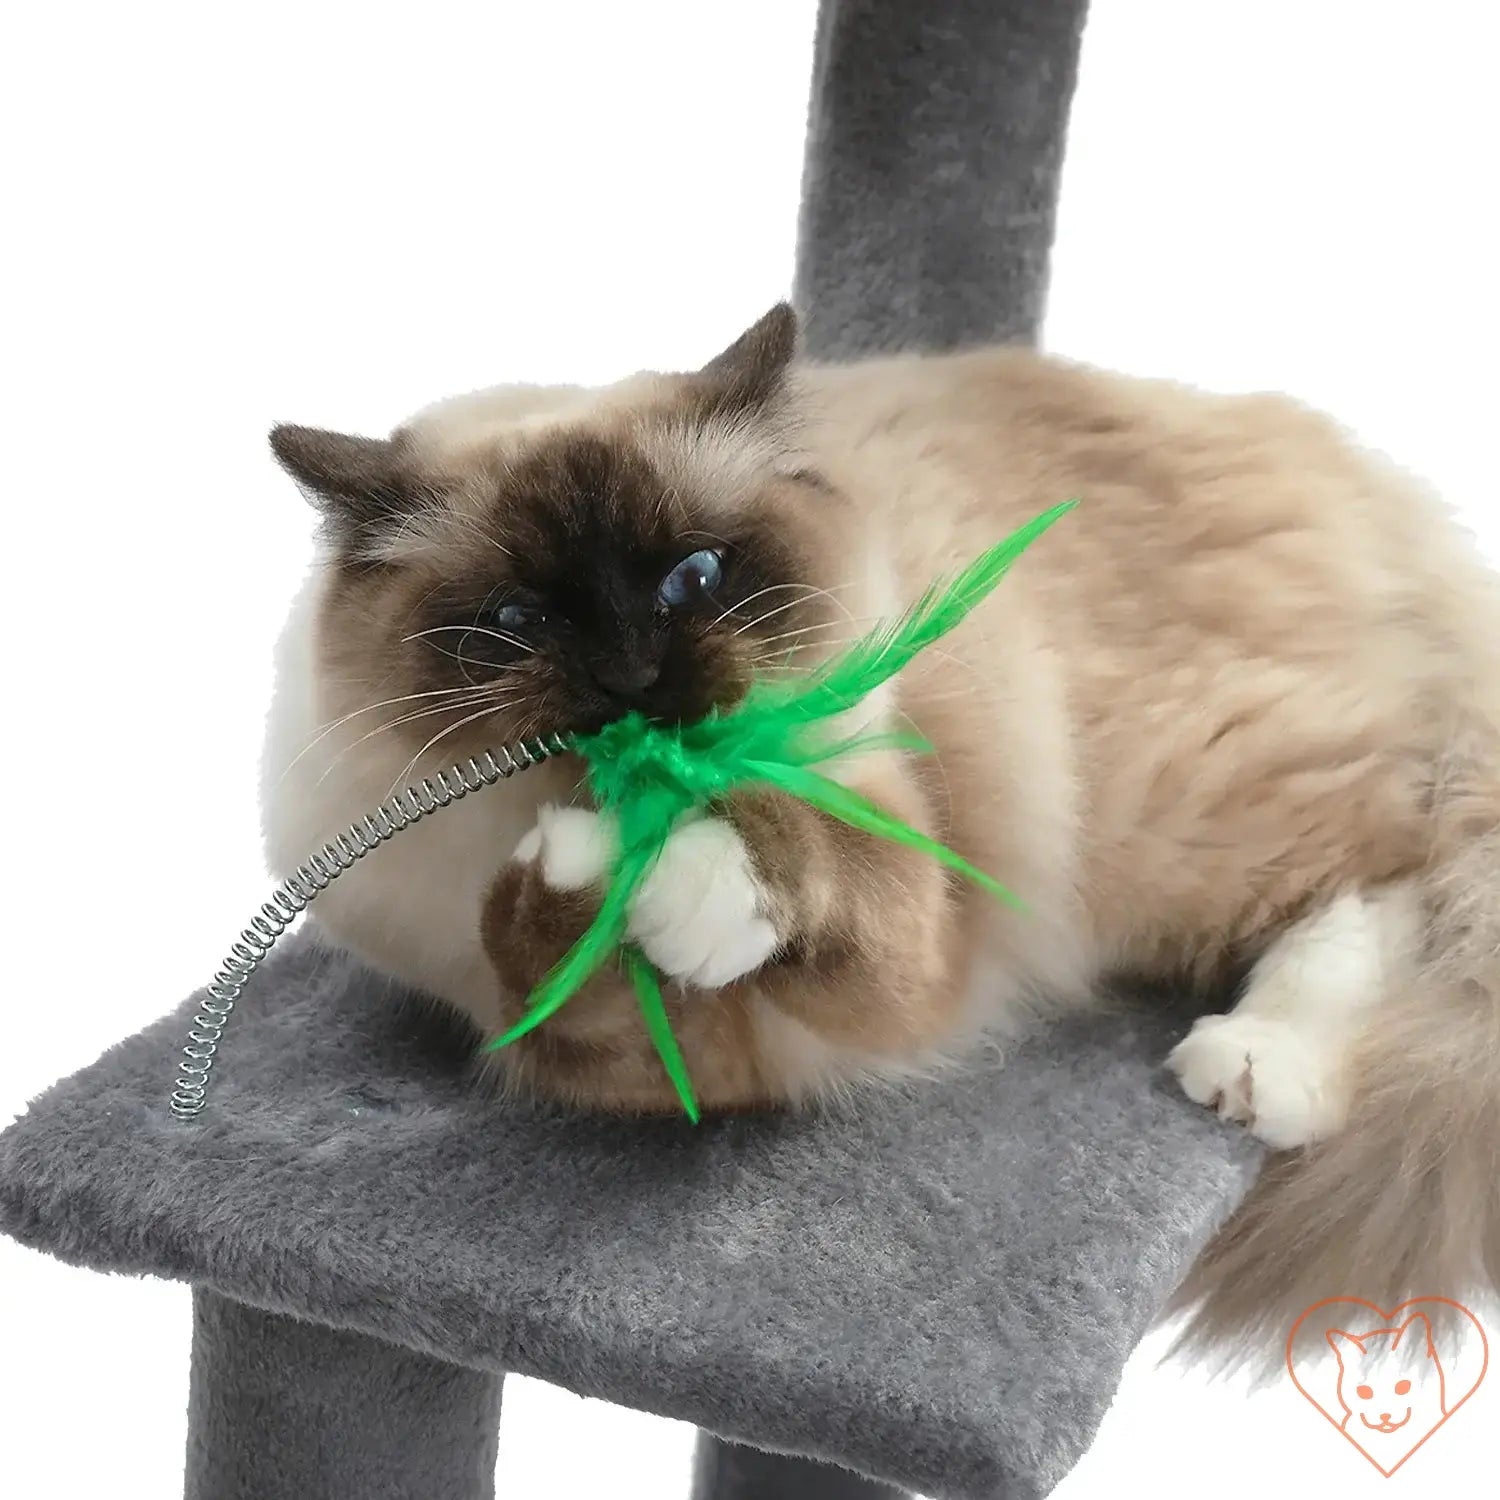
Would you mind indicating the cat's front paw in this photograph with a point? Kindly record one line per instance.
(570, 848)
(701, 914)
(547, 893)
(1263, 1073)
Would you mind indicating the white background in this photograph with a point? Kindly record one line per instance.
(218, 217)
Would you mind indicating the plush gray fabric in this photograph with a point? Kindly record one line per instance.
(938, 1290)
(935, 140)
(278, 1408)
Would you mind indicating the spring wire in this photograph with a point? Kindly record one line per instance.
(316, 874)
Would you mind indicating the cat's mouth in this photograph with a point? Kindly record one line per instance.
(1385, 1424)
(691, 703)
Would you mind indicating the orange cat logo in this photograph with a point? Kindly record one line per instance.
(1392, 1387)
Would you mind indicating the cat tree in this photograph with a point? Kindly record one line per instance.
(935, 1291)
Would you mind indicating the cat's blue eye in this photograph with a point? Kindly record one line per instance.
(514, 617)
(694, 578)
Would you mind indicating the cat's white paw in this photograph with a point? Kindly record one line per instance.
(700, 914)
(1264, 1073)
(576, 847)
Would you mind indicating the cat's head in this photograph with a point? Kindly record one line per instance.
(535, 560)
(1390, 1379)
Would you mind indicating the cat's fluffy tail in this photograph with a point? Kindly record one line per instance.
(1405, 1201)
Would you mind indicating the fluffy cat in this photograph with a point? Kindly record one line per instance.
(1239, 711)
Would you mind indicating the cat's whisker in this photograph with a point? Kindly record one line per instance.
(788, 660)
(472, 697)
(838, 604)
(769, 614)
(816, 638)
(741, 604)
(771, 640)
(770, 589)
(793, 603)
(528, 725)
(464, 522)
(328, 729)
(666, 498)
(463, 663)
(489, 630)
(696, 535)
(404, 779)
(436, 509)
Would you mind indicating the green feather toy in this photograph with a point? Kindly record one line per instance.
(648, 775)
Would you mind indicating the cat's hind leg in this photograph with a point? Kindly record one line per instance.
(1280, 1060)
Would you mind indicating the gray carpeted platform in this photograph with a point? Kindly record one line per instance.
(939, 1290)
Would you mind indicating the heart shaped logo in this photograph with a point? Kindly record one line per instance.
(1387, 1380)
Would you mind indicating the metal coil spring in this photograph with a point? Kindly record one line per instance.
(320, 870)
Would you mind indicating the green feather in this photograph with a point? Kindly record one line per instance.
(885, 651)
(654, 1009)
(848, 806)
(651, 775)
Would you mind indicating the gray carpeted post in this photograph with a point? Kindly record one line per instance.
(280, 1408)
(728, 1471)
(934, 147)
(929, 190)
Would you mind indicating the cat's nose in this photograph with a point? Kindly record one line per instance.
(626, 676)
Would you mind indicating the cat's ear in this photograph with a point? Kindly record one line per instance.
(1343, 1343)
(750, 374)
(356, 482)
